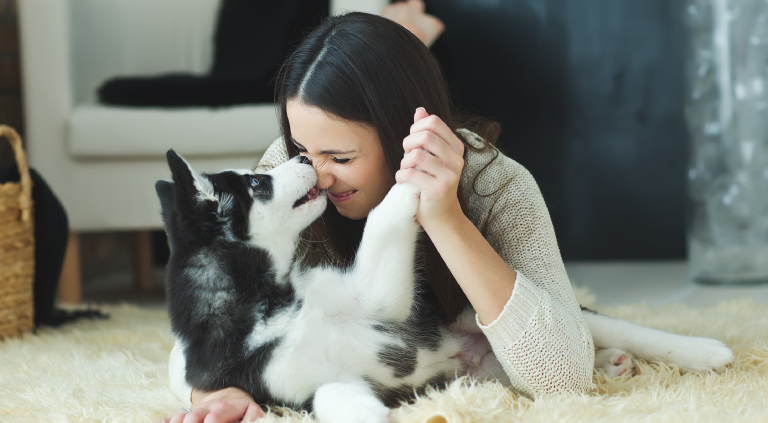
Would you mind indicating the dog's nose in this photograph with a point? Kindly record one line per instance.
(305, 160)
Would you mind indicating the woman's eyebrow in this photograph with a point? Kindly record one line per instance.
(336, 152)
(323, 151)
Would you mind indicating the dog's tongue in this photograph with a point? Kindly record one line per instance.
(313, 192)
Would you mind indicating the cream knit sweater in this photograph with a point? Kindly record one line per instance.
(540, 337)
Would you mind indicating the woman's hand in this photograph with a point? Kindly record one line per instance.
(410, 14)
(227, 405)
(434, 159)
(433, 162)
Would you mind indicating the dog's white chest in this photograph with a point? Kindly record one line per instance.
(319, 348)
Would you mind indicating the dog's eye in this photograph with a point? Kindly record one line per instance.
(254, 182)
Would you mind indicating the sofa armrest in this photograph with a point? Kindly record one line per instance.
(47, 87)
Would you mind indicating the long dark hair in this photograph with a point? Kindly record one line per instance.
(368, 69)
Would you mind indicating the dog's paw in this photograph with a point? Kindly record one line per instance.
(364, 412)
(613, 362)
(703, 354)
(348, 403)
(399, 206)
(405, 196)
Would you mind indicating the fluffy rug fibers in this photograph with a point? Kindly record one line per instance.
(115, 370)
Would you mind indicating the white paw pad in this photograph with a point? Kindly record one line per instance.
(613, 362)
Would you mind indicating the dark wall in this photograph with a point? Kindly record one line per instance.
(10, 77)
(589, 94)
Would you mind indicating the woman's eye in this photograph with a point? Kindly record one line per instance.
(340, 161)
(254, 182)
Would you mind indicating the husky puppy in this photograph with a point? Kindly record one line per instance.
(346, 343)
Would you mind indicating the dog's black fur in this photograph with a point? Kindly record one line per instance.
(213, 336)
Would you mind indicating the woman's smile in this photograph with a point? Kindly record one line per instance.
(341, 197)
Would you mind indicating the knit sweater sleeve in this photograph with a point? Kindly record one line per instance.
(274, 156)
(540, 336)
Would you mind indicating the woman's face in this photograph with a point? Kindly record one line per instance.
(347, 157)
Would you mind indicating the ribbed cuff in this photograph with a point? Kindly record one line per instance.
(517, 314)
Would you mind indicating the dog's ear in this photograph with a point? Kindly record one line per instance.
(187, 179)
(164, 191)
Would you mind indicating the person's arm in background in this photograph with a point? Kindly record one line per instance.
(410, 14)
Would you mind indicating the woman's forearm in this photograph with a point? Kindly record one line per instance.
(484, 277)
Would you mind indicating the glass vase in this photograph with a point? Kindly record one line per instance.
(727, 117)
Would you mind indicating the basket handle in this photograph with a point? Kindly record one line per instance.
(25, 200)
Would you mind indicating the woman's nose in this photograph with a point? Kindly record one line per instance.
(325, 180)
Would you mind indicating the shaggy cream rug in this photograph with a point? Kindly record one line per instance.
(115, 371)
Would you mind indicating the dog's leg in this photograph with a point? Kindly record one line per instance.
(691, 354)
(348, 403)
(383, 275)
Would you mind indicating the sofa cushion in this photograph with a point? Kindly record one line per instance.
(182, 90)
(97, 131)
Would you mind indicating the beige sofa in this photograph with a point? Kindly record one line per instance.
(102, 161)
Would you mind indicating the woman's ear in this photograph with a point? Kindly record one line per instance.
(165, 193)
(188, 181)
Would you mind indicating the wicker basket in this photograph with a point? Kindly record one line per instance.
(17, 247)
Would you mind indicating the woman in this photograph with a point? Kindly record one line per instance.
(364, 100)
